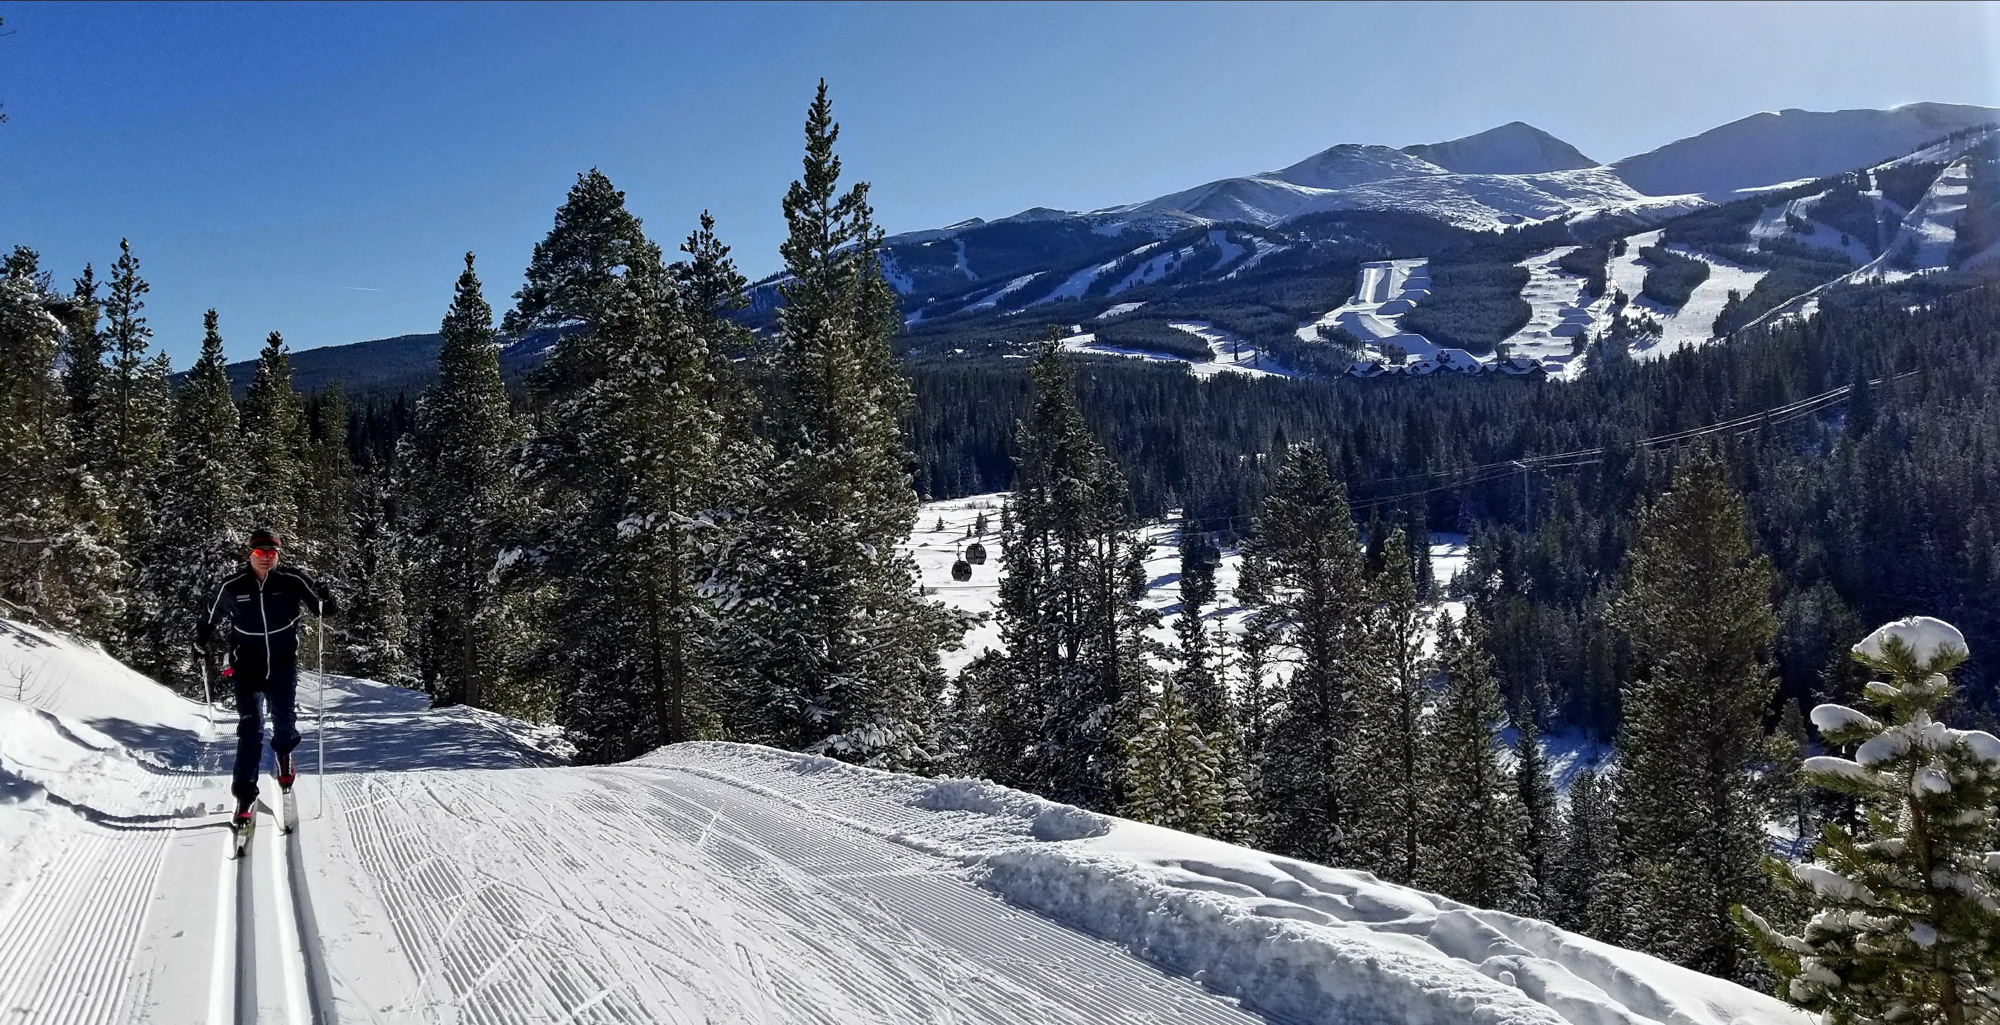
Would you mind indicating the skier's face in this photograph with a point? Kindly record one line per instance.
(262, 559)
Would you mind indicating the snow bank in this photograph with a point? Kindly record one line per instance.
(1292, 940)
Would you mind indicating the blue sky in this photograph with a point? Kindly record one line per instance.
(320, 170)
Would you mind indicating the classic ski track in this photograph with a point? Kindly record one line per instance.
(87, 907)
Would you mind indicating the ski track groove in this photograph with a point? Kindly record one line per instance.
(89, 906)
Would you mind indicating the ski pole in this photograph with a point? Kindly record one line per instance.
(207, 698)
(319, 715)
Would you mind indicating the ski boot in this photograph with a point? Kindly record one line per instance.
(288, 806)
(241, 825)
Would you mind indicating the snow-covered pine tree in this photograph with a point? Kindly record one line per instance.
(202, 521)
(1174, 777)
(274, 432)
(1417, 538)
(1473, 823)
(1696, 606)
(1073, 630)
(1541, 827)
(1906, 923)
(94, 553)
(1389, 723)
(838, 652)
(130, 444)
(461, 503)
(1304, 583)
(376, 621)
(51, 564)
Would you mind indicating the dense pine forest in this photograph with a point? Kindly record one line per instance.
(682, 527)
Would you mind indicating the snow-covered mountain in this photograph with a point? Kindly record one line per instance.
(1513, 148)
(1791, 145)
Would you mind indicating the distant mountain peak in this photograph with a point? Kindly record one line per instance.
(1513, 148)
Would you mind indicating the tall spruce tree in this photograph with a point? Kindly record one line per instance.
(1304, 583)
(274, 440)
(83, 370)
(838, 648)
(1540, 823)
(1075, 668)
(1388, 734)
(1586, 894)
(1473, 823)
(461, 500)
(1907, 904)
(326, 487)
(132, 433)
(202, 521)
(1696, 606)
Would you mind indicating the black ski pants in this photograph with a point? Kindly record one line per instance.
(279, 687)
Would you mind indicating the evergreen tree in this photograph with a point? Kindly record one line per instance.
(1584, 895)
(51, 564)
(1537, 796)
(1473, 822)
(326, 487)
(274, 431)
(1787, 793)
(202, 521)
(377, 620)
(1195, 676)
(461, 499)
(1075, 661)
(1303, 582)
(132, 434)
(1388, 734)
(838, 648)
(83, 371)
(1907, 905)
(1696, 606)
(1176, 778)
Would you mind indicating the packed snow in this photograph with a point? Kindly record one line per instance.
(1925, 638)
(451, 867)
(1693, 322)
(1230, 354)
(1560, 314)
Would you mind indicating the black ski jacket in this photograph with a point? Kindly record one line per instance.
(263, 616)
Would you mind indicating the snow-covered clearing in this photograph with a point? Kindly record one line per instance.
(1231, 355)
(1772, 224)
(1384, 290)
(1560, 312)
(1117, 310)
(1693, 322)
(449, 869)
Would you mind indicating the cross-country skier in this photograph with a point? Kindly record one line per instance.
(263, 604)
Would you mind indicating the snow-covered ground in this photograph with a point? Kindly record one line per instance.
(1560, 313)
(1230, 355)
(1693, 322)
(449, 868)
(935, 550)
(1384, 290)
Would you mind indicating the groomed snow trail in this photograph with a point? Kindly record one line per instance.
(649, 893)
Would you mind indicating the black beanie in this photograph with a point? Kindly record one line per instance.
(263, 537)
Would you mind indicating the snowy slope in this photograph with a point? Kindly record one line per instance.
(1231, 354)
(1560, 312)
(1693, 322)
(1792, 145)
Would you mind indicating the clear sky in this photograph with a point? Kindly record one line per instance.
(320, 170)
